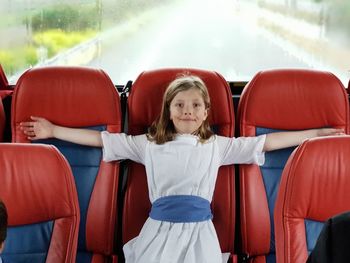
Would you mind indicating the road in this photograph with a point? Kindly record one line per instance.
(219, 35)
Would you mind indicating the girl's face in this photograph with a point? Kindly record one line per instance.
(187, 111)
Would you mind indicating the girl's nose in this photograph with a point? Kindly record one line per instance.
(188, 111)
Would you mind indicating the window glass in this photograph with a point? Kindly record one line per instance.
(237, 38)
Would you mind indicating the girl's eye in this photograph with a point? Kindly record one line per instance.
(179, 105)
(196, 105)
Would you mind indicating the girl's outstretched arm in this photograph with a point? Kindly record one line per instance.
(279, 140)
(40, 128)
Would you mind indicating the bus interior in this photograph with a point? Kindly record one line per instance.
(104, 65)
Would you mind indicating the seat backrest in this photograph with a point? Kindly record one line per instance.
(84, 98)
(144, 105)
(39, 192)
(314, 186)
(272, 101)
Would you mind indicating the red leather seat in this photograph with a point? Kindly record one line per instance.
(276, 100)
(39, 192)
(144, 105)
(314, 186)
(86, 98)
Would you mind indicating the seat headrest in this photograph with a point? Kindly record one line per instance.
(36, 183)
(290, 99)
(316, 178)
(68, 96)
(147, 94)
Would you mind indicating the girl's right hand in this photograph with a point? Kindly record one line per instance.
(330, 132)
(38, 128)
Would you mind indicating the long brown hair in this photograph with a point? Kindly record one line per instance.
(162, 130)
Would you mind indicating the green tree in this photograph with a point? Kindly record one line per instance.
(65, 17)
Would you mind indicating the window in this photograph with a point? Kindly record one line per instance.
(124, 37)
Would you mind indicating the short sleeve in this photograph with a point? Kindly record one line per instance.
(119, 146)
(245, 150)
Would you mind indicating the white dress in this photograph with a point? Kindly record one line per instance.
(183, 166)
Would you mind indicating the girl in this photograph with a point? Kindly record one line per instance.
(182, 156)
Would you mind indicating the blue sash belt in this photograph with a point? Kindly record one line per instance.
(181, 209)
